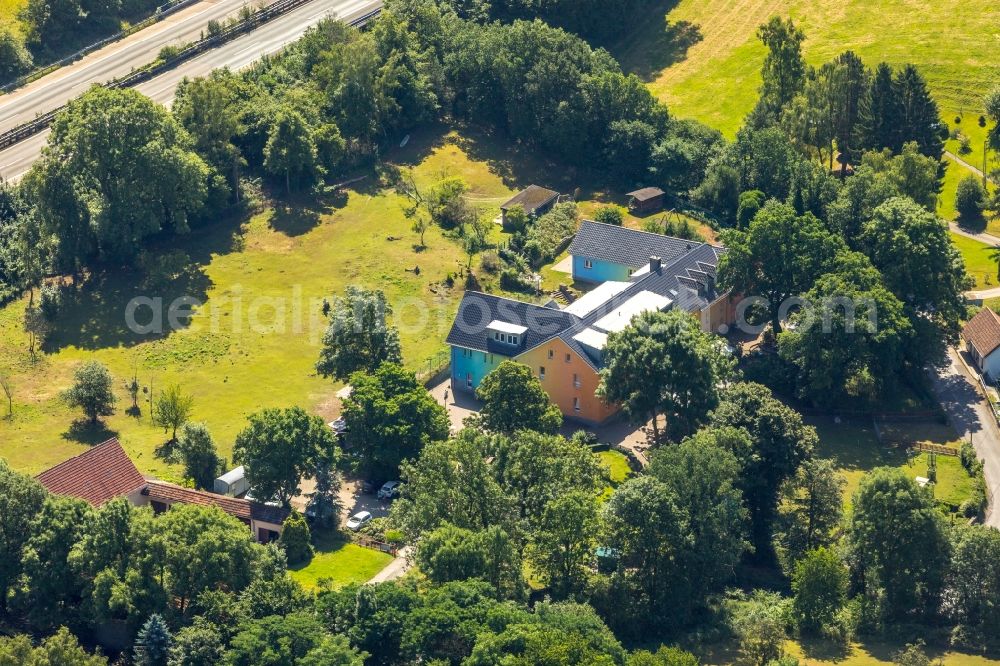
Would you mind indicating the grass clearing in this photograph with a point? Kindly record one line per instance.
(618, 470)
(707, 65)
(341, 562)
(855, 449)
(979, 263)
(272, 271)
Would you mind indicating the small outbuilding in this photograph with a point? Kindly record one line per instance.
(982, 339)
(647, 200)
(232, 483)
(535, 201)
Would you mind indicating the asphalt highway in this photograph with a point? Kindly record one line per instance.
(237, 54)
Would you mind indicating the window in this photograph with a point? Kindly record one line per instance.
(486, 357)
(630, 271)
(551, 354)
(576, 380)
(492, 360)
(468, 380)
(513, 339)
(541, 372)
(568, 358)
(587, 263)
(576, 405)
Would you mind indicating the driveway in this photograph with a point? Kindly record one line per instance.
(971, 416)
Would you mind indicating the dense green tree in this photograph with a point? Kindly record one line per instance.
(197, 452)
(452, 482)
(760, 624)
(851, 84)
(812, 506)
(152, 643)
(451, 553)
(359, 336)
(333, 651)
(513, 399)
(970, 199)
(206, 108)
(879, 115)
(899, 545)
(290, 149)
(665, 656)
(820, 585)
(778, 443)
(172, 409)
(663, 363)
(390, 417)
(992, 105)
(646, 527)
(295, 538)
(918, 112)
(704, 476)
(51, 591)
(784, 69)
(279, 447)
(370, 616)
(59, 649)
(117, 169)
(751, 202)
(275, 640)
(682, 158)
(21, 499)
(849, 337)
(15, 59)
(91, 391)
(921, 266)
(197, 645)
(779, 256)
(972, 597)
(562, 544)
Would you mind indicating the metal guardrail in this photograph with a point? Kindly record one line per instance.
(160, 13)
(42, 122)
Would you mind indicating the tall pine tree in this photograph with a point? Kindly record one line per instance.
(152, 644)
(919, 115)
(879, 116)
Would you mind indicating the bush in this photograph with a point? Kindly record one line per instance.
(295, 538)
(970, 199)
(490, 263)
(551, 229)
(609, 215)
(50, 302)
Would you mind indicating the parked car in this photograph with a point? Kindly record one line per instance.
(367, 487)
(314, 511)
(359, 520)
(389, 490)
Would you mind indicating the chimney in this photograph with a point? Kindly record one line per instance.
(654, 264)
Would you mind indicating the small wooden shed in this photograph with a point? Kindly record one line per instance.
(647, 200)
(535, 201)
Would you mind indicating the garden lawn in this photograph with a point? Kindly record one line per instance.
(616, 465)
(979, 263)
(855, 450)
(273, 270)
(708, 66)
(340, 562)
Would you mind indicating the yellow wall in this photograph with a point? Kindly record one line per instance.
(558, 381)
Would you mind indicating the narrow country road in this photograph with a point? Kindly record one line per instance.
(959, 161)
(969, 413)
(982, 237)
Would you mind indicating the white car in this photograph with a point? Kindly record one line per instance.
(339, 426)
(389, 490)
(358, 520)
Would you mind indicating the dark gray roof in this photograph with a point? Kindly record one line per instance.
(531, 198)
(646, 193)
(689, 282)
(627, 247)
(477, 310)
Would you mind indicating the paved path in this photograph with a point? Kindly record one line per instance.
(959, 161)
(395, 569)
(970, 415)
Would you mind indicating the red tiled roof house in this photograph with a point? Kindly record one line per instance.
(105, 472)
(982, 339)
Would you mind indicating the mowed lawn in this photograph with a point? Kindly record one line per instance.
(979, 261)
(340, 563)
(253, 342)
(855, 449)
(708, 66)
